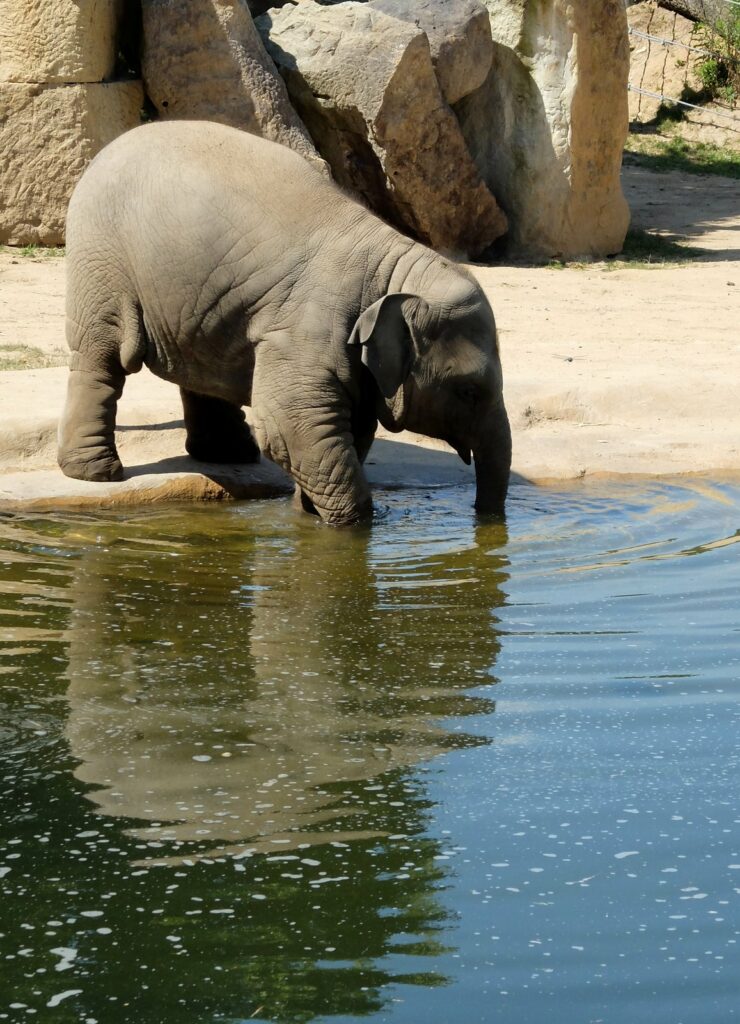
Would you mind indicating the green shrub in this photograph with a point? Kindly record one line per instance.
(720, 71)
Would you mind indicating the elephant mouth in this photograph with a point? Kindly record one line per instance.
(463, 450)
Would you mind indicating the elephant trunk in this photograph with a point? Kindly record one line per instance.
(492, 456)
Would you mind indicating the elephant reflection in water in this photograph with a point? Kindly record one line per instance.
(242, 693)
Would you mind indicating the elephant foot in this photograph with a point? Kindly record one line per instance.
(104, 469)
(363, 513)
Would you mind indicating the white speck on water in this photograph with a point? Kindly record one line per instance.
(67, 955)
(6, 870)
(57, 999)
(91, 913)
(201, 757)
(626, 853)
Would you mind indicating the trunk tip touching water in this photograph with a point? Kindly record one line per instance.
(492, 465)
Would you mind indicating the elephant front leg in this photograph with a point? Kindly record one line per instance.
(363, 435)
(303, 422)
(86, 440)
(217, 430)
(331, 483)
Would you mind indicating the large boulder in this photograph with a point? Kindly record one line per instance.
(459, 37)
(58, 40)
(708, 11)
(548, 127)
(364, 84)
(48, 135)
(204, 59)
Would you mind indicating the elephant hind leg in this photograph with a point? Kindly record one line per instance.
(217, 430)
(86, 448)
(107, 339)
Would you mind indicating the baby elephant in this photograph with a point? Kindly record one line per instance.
(231, 267)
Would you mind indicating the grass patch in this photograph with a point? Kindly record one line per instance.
(28, 357)
(641, 251)
(35, 252)
(672, 153)
(644, 249)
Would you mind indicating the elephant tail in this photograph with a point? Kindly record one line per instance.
(133, 336)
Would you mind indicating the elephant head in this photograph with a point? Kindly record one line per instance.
(437, 370)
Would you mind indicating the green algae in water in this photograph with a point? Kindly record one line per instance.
(253, 768)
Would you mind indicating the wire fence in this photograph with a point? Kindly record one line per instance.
(662, 41)
(668, 42)
(681, 103)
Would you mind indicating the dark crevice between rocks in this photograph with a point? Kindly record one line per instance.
(130, 32)
(130, 43)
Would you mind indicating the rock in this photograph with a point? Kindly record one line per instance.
(204, 60)
(707, 11)
(179, 480)
(548, 126)
(459, 35)
(58, 40)
(364, 84)
(48, 135)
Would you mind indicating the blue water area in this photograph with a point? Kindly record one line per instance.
(435, 770)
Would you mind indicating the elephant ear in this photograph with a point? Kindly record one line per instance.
(385, 332)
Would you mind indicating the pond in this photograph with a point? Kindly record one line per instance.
(255, 769)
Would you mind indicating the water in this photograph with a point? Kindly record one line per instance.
(256, 769)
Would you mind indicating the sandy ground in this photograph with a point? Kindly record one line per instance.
(618, 371)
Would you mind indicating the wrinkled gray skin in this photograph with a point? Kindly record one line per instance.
(229, 266)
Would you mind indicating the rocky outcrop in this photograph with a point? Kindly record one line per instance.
(459, 37)
(62, 41)
(387, 134)
(48, 136)
(548, 126)
(57, 111)
(204, 59)
(426, 108)
(707, 11)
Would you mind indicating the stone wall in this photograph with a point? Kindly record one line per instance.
(475, 118)
(60, 105)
